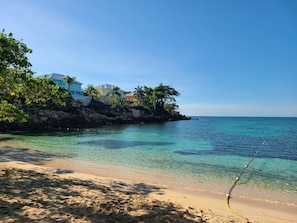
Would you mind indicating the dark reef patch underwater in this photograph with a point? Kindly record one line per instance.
(120, 144)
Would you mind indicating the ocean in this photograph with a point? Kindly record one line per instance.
(205, 154)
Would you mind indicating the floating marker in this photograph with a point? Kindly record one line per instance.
(228, 196)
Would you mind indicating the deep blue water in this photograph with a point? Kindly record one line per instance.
(211, 148)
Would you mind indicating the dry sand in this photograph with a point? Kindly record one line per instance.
(37, 193)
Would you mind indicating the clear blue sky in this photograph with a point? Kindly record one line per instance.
(225, 57)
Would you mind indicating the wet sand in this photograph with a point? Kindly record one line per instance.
(52, 193)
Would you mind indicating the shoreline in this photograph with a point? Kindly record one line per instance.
(53, 195)
(178, 183)
(207, 206)
(242, 191)
(211, 206)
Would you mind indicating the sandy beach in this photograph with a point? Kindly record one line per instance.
(42, 193)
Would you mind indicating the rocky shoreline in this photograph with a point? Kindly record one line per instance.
(82, 117)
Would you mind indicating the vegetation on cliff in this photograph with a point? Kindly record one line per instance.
(17, 85)
(35, 102)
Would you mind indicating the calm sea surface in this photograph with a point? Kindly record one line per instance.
(211, 149)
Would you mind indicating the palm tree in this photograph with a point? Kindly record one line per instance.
(115, 95)
(69, 80)
(116, 91)
(92, 91)
(165, 93)
(148, 99)
(139, 94)
(161, 95)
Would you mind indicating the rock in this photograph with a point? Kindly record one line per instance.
(77, 117)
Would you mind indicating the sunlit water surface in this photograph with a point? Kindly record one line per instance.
(197, 154)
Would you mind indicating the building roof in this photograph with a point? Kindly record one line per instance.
(55, 76)
(130, 94)
(107, 86)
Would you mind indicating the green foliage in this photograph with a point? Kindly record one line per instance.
(10, 113)
(14, 74)
(115, 97)
(17, 85)
(157, 100)
(69, 80)
(170, 108)
(92, 91)
(43, 91)
(13, 53)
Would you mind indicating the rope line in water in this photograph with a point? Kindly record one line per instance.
(228, 196)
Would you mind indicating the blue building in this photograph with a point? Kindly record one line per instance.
(75, 88)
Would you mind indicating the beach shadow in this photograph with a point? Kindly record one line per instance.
(139, 188)
(60, 171)
(26, 155)
(30, 196)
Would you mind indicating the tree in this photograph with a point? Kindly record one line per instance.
(139, 94)
(158, 100)
(115, 95)
(14, 73)
(148, 98)
(165, 94)
(10, 113)
(91, 91)
(13, 54)
(69, 80)
(44, 92)
(17, 85)
(171, 108)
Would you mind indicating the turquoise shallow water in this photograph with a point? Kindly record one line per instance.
(211, 148)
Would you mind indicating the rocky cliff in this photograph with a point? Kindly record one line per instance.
(82, 117)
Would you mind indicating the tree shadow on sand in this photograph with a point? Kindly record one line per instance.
(30, 196)
(27, 155)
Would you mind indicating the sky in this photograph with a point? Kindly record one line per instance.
(225, 57)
